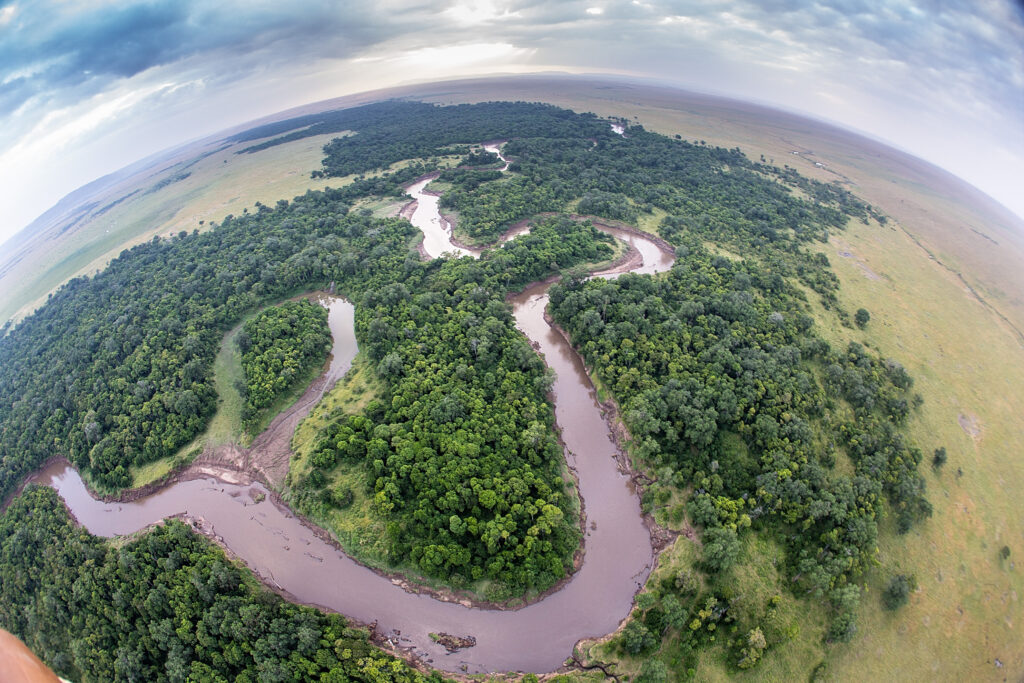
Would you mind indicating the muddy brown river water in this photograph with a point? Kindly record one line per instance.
(288, 555)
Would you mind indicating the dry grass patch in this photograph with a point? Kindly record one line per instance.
(967, 612)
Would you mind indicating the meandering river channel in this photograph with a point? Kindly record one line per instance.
(289, 555)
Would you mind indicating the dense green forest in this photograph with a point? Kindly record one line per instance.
(734, 403)
(713, 352)
(461, 448)
(116, 369)
(280, 346)
(166, 606)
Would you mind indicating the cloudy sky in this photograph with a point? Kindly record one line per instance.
(88, 86)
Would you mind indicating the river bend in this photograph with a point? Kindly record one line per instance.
(288, 555)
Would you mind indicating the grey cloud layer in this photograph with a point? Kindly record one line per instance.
(60, 55)
(58, 52)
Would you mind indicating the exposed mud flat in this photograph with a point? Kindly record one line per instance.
(971, 425)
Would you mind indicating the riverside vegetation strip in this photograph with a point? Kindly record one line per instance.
(84, 389)
(280, 346)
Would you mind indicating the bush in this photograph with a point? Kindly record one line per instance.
(342, 497)
(754, 646)
(939, 459)
(721, 548)
(653, 671)
(861, 317)
(686, 583)
(897, 592)
(636, 638)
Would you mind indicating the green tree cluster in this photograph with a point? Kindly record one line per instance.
(461, 449)
(721, 347)
(389, 132)
(724, 384)
(480, 159)
(280, 346)
(166, 606)
(676, 618)
(116, 369)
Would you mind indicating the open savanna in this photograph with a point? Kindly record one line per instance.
(355, 527)
(966, 616)
(188, 195)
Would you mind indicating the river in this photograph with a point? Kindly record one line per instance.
(286, 554)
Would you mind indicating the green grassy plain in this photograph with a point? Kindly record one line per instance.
(220, 184)
(357, 529)
(966, 612)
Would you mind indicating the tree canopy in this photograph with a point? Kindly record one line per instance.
(279, 347)
(734, 402)
(166, 606)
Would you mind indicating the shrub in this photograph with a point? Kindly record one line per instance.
(636, 638)
(897, 592)
(861, 317)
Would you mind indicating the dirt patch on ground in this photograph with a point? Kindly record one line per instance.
(971, 425)
(408, 210)
(845, 251)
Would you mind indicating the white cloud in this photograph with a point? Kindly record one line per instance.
(458, 56)
(477, 13)
(7, 14)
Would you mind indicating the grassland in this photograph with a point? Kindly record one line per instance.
(216, 185)
(969, 367)
(355, 527)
